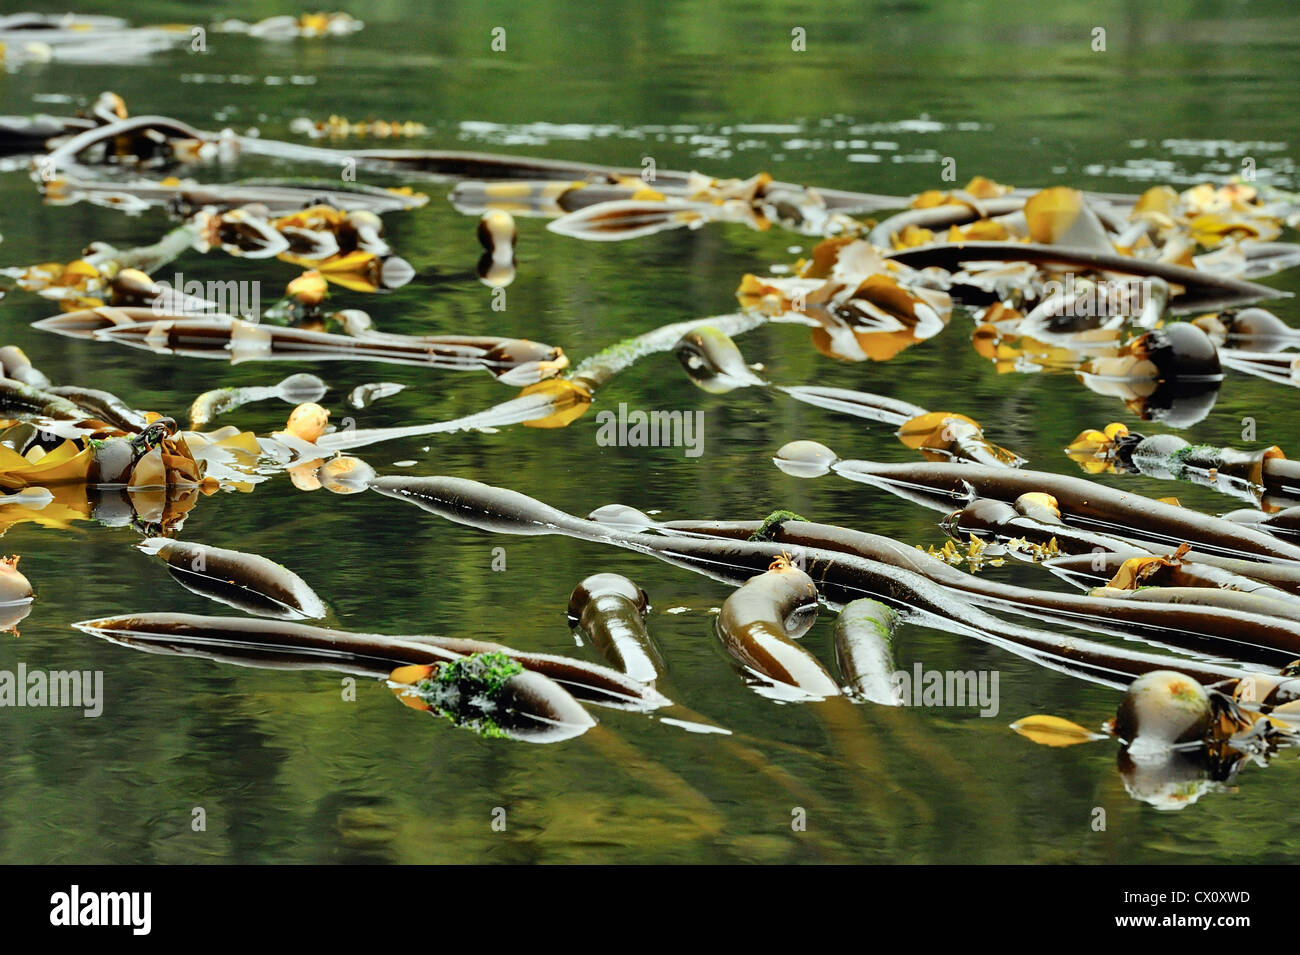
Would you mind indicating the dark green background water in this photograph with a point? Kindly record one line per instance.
(288, 772)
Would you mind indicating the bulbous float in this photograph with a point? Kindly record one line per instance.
(1160, 710)
(759, 621)
(805, 459)
(713, 361)
(493, 696)
(611, 610)
(497, 234)
(1171, 374)
(16, 595)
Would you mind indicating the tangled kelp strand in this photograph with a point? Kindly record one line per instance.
(1201, 290)
(840, 576)
(225, 338)
(1247, 635)
(1083, 504)
(1092, 569)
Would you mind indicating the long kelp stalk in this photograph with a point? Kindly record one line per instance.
(840, 577)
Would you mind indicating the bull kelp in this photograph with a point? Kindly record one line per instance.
(1054, 354)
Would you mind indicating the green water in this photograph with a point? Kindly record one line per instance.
(288, 771)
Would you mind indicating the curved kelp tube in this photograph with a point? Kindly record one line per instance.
(864, 651)
(1080, 556)
(1251, 604)
(841, 577)
(757, 622)
(272, 641)
(1284, 523)
(1258, 635)
(610, 610)
(558, 399)
(296, 389)
(514, 361)
(1082, 504)
(246, 582)
(486, 691)
(105, 406)
(17, 398)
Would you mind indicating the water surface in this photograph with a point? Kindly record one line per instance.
(288, 771)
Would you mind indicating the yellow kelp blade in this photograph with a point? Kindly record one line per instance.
(950, 435)
(66, 464)
(1053, 731)
(569, 402)
(403, 678)
(1137, 571)
(357, 271)
(411, 674)
(1060, 216)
